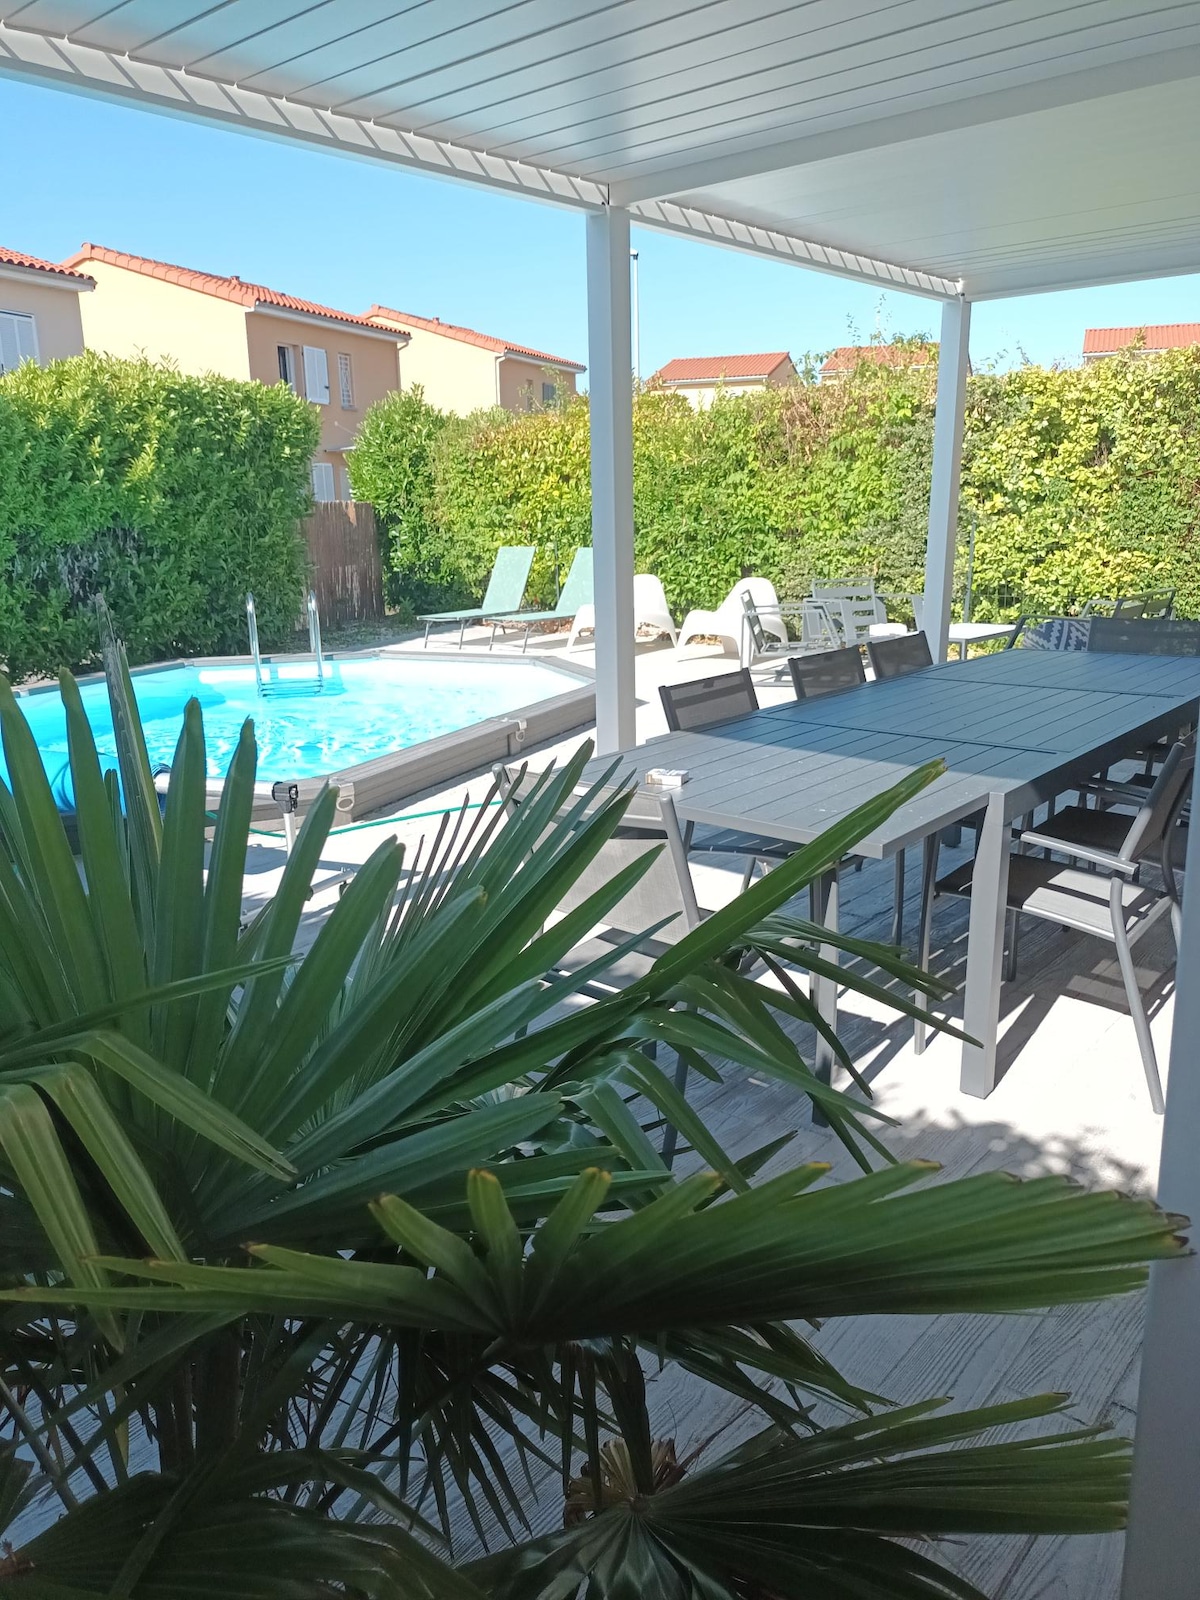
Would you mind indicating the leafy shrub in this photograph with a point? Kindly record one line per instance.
(172, 495)
(1082, 482)
(392, 467)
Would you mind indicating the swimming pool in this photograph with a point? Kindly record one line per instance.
(372, 708)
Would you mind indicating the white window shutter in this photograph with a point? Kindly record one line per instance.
(322, 481)
(316, 374)
(18, 340)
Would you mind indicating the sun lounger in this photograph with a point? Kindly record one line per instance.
(576, 592)
(505, 591)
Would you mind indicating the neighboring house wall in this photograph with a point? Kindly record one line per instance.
(373, 373)
(57, 325)
(522, 384)
(462, 371)
(454, 376)
(131, 314)
(700, 395)
(700, 379)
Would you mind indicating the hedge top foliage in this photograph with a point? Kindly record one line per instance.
(171, 494)
(1084, 481)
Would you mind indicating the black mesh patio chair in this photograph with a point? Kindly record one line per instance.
(827, 673)
(896, 658)
(1160, 636)
(1107, 902)
(705, 702)
(830, 672)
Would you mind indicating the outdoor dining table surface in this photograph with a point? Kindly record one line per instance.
(1014, 729)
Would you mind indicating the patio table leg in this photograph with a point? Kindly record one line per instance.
(985, 951)
(824, 892)
(929, 862)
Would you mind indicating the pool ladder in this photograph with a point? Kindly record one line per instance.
(262, 675)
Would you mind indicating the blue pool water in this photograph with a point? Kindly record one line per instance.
(369, 706)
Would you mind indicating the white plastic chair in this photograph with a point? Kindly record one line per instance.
(728, 622)
(650, 610)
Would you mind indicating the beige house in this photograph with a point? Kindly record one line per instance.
(701, 378)
(913, 353)
(203, 322)
(463, 371)
(39, 310)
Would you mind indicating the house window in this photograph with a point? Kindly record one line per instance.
(344, 484)
(316, 376)
(18, 340)
(549, 393)
(322, 481)
(346, 381)
(287, 365)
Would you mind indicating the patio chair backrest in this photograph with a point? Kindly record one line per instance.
(1163, 803)
(827, 672)
(577, 588)
(705, 702)
(896, 658)
(510, 574)
(1165, 636)
(649, 827)
(1055, 633)
(1131, 607)
(856, 607)
(760, 639)
(1160, 604)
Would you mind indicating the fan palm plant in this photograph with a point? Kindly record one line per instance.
(176, 1085)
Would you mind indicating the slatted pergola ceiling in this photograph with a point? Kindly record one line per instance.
(983, 147)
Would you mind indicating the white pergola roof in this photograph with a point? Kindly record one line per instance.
(944, 147)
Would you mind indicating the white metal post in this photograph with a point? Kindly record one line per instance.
(637, 320)
(1162, 1547)
(610, 401)
(947, 464)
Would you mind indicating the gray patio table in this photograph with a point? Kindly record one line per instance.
(1014, 729)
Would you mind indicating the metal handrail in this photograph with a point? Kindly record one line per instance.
(256, 653)
(314, 638)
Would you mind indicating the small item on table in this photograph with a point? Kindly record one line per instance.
(667, 777)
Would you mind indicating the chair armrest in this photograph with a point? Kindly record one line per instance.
(1080, 852)
(1115, 789)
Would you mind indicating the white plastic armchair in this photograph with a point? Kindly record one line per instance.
(728, 622)
(650, 610)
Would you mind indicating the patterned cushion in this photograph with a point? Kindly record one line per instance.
(1057, 633)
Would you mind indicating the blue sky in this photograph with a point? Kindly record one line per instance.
(348, 233)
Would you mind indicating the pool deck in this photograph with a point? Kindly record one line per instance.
(1071, 1100)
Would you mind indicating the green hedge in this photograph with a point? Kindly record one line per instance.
(1083, 481)
(170, 494)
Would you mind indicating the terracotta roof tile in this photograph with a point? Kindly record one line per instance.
(712, 369)
(242, 294)
(847, 356)
(383, 315)
(1152, 336)
(16, 258)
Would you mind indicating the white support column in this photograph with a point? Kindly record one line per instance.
(610, 399)
(1162, 1547)
(947, 464)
